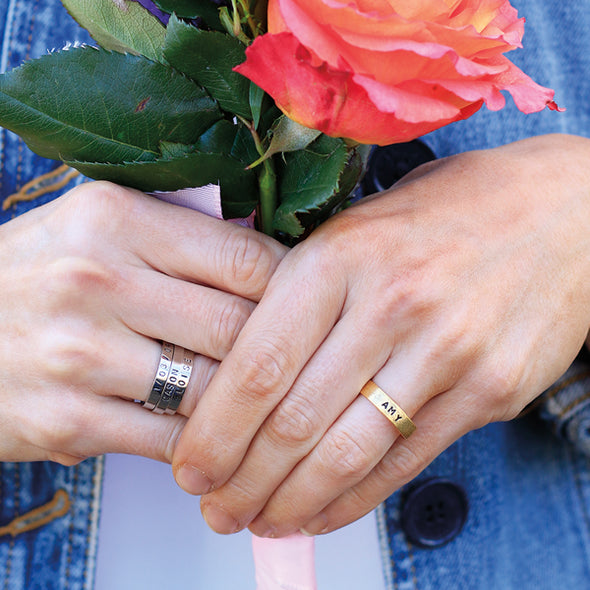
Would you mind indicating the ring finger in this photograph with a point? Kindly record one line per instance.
(359, 439)
(202, 319)
(404, 461)
(342, 459)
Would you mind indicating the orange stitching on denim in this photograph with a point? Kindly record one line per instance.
(41, 186)
(553, 391)
(412, 566)
(573, 404)
(57, 507)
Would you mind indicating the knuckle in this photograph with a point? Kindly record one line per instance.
(229, 323)
(408, 295)
(171, 437)
(500, 386)
(345, 458)
(71, 279)
(262, 371)
(246, 260)
(292, 423)
(99, 208)
(358, 501)
(495, 382)
(404, 463)
(59, 432)
(68, 355)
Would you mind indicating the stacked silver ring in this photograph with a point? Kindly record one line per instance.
(171, 380)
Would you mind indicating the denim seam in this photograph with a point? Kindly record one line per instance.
(93, 523)
(552, 392)
(559, 387)
(578, 487)
(412, 566)
(574, 404)
(67, 573)
(386, 554)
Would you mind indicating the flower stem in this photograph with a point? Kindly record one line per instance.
(268, 197)
(237, 25)
(267, 183)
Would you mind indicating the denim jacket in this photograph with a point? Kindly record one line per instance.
(506, 507)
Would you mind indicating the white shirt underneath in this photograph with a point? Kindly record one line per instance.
(152, 537)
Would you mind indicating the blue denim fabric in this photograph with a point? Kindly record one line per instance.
(29, 28)
(528, 524)
(555, 54)
(60, 554)
(566, 405)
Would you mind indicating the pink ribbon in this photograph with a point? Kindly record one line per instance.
(205, 199)
(285, 564)
(281, 564)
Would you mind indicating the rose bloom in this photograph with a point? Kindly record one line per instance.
(385, 71)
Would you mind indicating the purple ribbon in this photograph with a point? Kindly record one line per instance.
(149, 5)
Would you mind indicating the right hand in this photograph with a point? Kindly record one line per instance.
(90, 284)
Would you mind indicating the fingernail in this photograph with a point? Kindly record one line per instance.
(219, 520)
(316, 526)
(261, 528)
(193, 480)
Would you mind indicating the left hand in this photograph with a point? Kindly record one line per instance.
(463, 292)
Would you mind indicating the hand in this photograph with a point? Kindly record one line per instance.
(89, 284)
(463, 292)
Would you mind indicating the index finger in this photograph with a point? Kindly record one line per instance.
(258, 372)
(177, 241)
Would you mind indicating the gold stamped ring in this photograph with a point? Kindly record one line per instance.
(389, 408)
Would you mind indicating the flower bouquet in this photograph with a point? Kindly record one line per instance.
(273, 106)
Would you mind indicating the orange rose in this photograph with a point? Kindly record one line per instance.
(385, 71)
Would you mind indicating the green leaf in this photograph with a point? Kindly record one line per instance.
(238, 186)
(208, 58)
(256, 97)
(244, 148)
(170, 151)
(228, 138)
(203, 9)
(288, 136)
(88, 104)
(310, 183)
(124, 26)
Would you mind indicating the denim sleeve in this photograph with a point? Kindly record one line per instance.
(566, 405)
(57, 549)
(29, 29)
(556, 54)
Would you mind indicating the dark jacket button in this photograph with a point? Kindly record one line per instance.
(388, 164)
(434, 512)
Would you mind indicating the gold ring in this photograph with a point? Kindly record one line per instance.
(389, 408)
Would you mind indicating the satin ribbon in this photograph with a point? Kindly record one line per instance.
(281, 564)
(285, 564)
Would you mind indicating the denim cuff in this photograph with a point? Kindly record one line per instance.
(566, 405)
